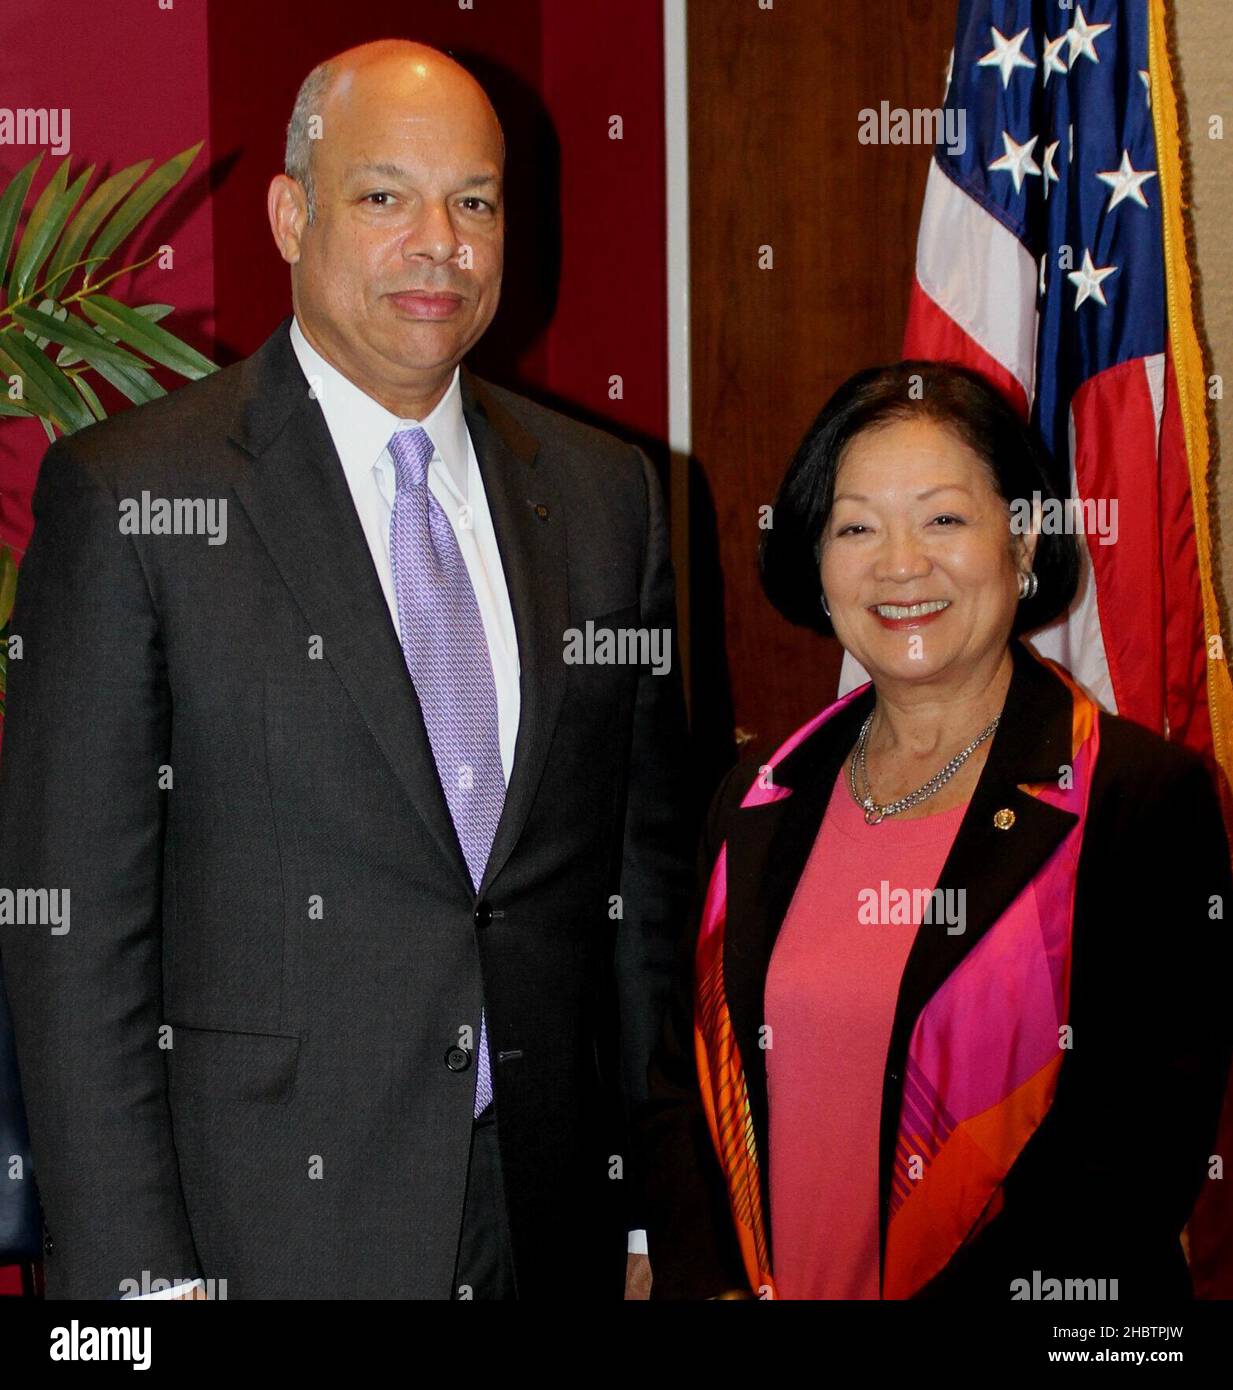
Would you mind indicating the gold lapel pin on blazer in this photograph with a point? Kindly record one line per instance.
(1004, 818)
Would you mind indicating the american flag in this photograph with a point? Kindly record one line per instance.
(1041, 263)
(1052, 258)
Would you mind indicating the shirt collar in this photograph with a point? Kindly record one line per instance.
(361, 427)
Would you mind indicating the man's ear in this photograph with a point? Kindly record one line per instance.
(287, 208)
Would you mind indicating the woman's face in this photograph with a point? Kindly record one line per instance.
(917, 521)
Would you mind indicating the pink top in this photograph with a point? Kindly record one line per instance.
(830, 1001)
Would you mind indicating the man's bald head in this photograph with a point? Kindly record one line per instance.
(307, 123)
(391, 215)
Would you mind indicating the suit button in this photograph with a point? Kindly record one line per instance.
(458, 1059)
(483, 913)
(48, 1244)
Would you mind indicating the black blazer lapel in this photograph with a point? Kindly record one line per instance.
(768, 847)
(297, 498)
(528, 519)
(990, 865)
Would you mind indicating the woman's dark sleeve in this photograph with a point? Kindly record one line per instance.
(690, 1238)
(1134, 1124)
(1187, 968)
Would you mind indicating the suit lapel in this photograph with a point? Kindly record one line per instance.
(989, 865)
(769, 845)
(297, 498)
(527, 516)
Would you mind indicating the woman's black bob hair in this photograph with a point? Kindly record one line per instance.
(951, 395)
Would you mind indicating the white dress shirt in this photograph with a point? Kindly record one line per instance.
(361, 429)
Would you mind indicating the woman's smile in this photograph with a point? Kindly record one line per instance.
(907, 616)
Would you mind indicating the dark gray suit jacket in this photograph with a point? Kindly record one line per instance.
(220, 1081)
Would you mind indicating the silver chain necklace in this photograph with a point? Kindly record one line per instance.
(875, 812)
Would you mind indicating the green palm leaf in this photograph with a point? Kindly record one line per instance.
(133, 383)
(32, 400)
(138, 331)
(44, 382)
(86, 223)
(75, 333)
(46, 306)
(11, 203)
(46, 222)
(142, 199)
(102, 335)
(87, 394)
(66, 357)
(8, 585)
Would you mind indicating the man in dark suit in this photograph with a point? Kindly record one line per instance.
(373, 889)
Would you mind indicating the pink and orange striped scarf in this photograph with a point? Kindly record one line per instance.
(983, 1058)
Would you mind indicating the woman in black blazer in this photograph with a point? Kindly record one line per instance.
(1090, 867)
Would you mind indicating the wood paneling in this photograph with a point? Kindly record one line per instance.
(775, 96)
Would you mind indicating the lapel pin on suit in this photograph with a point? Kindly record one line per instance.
(1004, 818)
(539, 509)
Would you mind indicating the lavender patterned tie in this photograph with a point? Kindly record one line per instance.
(447, 656)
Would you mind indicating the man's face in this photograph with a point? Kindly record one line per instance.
(400, 273)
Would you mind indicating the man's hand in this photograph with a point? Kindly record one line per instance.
(637, 1277)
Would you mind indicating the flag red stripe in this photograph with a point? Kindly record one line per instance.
(1115, 459)
(932, 333)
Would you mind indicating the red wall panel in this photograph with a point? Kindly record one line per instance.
(583, 294)
(603, 60)
(134, 79)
